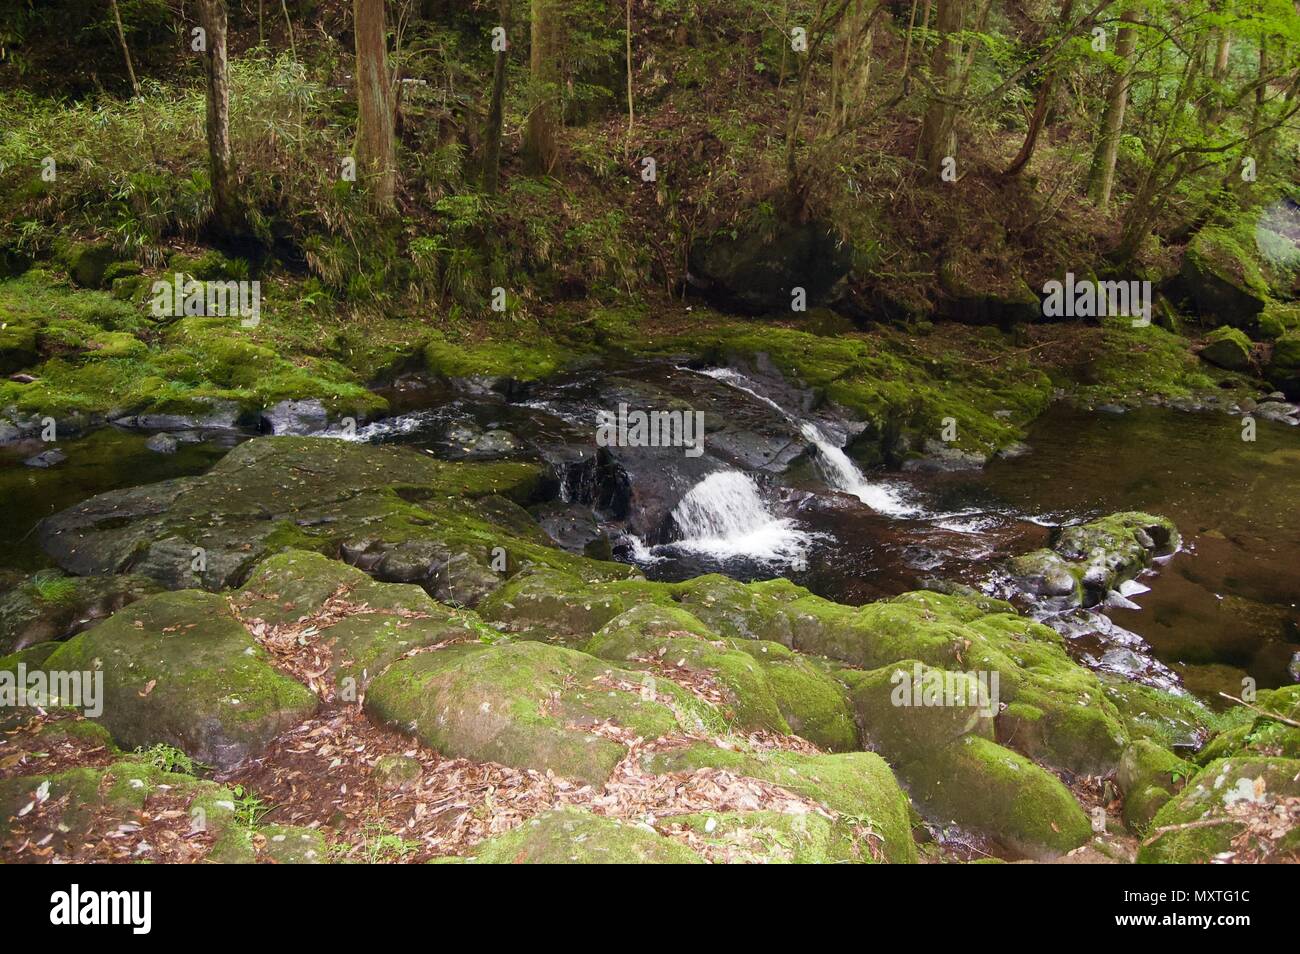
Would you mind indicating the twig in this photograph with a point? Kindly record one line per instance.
(1265, 712)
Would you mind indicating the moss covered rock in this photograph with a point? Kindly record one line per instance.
(179, 668)
(1227, 348)
(365, 624)
(51, 607)
(1234, 809)
(982, 785)
(572, 836)
(1149, 775)
(770, 838)
(857, 785)
(1223, 278)
(531, 706)
(770, 687)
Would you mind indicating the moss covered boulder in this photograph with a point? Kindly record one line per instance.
(764, 684)
(179, 668)
(908, 709)
(1149, 776)
(1223, 279)
(1283, 370)
(573, 836)
(1239, 809)
(857, 785)
(1227, 348)
(1089, 560)
(1256, 731)
(457, 529)
(531, 706)
(982, 785)
(770, 838)
(363, 624)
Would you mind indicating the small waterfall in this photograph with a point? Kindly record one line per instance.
(724, 515)
(839, 472)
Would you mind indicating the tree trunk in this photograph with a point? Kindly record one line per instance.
(851, 63)
(375, 148)
(1041, 105)
(1101, 177)
(221, 164)
(126, 50)
(937, 129)
(540, 146)
(496, 112)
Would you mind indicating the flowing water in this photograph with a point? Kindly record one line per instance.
(775, 494)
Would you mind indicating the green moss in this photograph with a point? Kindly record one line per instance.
(1139, 362)
(857, 785)
(1207, 818)
(772, 837)
(527, 705)
(981, 785)
(572, 836)
(496, 359)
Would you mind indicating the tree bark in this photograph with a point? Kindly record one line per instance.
(541, 148)
(937, 129)
(1101, 177)
(1041, 105)
(375, 147)
(221, 163)
(496, 112)
(126, 50)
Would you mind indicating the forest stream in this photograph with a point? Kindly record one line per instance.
(775, 494)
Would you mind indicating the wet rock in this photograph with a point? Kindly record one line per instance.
(50, 608)
(219, 415)
(45, 459)
(335, 497)
(945, 458)
(573, 528)
(296, 418)
(1293, 667)
(180, 669)
(162, 444)
(1281, 412)
(1097, 556)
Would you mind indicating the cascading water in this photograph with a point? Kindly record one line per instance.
(839, 472)
(724, 516)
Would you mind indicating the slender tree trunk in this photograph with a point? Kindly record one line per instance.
(631, 108)
(221, 163)
(540, 146)
(293, 48)
(1101, 177)
(375, 148)
(937, 129)
(496, 112)
(851, 62)
(126, 50)
(1041, 105)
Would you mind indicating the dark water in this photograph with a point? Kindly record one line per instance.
(102, 460)
(1228, 605)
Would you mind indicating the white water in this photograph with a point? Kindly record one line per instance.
(835, 466)
(724, 516)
